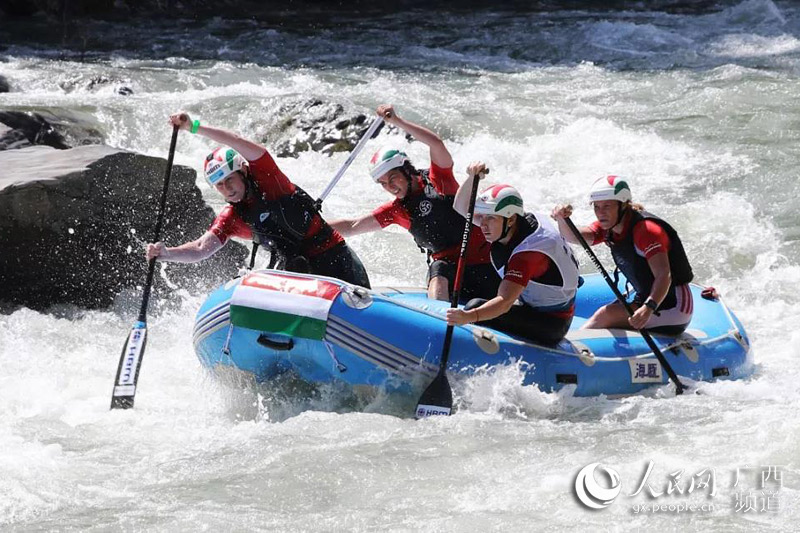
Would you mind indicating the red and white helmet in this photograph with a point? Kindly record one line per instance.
(502, 200)
(221, 163)
(610, 188)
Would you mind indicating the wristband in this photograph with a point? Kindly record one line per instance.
(195, 126)
(651, 304)
(477, 316)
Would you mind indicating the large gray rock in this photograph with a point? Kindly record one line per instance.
(73, 224)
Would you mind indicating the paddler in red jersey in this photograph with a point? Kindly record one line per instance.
(423, 205)
(265, 206)
(647, 250)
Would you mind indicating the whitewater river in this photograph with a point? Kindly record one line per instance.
(699, 110)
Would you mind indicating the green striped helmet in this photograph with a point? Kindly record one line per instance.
(610, 188)
(385, 160)
(503, 200)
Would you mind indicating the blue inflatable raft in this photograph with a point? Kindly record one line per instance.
(270, 322)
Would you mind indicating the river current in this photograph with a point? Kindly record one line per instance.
(699, 111)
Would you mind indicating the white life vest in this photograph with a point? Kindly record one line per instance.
(547, 240)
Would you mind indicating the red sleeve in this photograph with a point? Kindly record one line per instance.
(392, 213)
(443, 180)
(271, 181)
(229, 224)
(598, 232)
(650, 239)
(525, 266)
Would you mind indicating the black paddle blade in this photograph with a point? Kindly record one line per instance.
(437, 398)
(128, 372)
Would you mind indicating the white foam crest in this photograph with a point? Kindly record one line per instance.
(750, 46)
(560, 166)
(751, 13)
(499, 390)
(634, 39)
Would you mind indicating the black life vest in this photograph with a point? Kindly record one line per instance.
(282, 224)
(635, 267)
(435, 225)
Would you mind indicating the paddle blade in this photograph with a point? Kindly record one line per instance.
(437, 398)
(128, 371)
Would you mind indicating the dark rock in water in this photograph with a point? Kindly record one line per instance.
(11, 139)
(73, 225)
(4, 86)
(61, 129)
(34, 128)
(94, 84)
(319, 126)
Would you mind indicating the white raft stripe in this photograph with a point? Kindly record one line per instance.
(208, 318)
(344, 332)
(370, 339)
(372, 353)
(212, 327)
(214, 309)
(281, 302)
(371, 356)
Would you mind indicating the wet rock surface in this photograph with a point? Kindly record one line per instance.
(319, 126)
(73, 225)
(59, 129)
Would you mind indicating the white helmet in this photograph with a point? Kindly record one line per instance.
(502, 200)
(385, 160)
(221, 163)
(610, 188)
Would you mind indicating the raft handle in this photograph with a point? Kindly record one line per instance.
(567, 378)
(720, 371)
(263, 340)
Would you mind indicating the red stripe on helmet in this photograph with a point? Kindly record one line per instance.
(494, 190)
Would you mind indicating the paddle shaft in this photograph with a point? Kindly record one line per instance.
(130, 360)
(462, 260)
(151, 267)
(648, 339)
(373, 130)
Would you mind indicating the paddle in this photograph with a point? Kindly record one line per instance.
(132, 353)
(373, 130)
(437, 399)
(648, 339)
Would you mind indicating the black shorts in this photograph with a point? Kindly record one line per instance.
(339, 262)
(524, 321)
(480, 281)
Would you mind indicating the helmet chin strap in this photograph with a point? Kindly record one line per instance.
(409, 179)
(250, 188)
(506, 229)
(620, 215)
